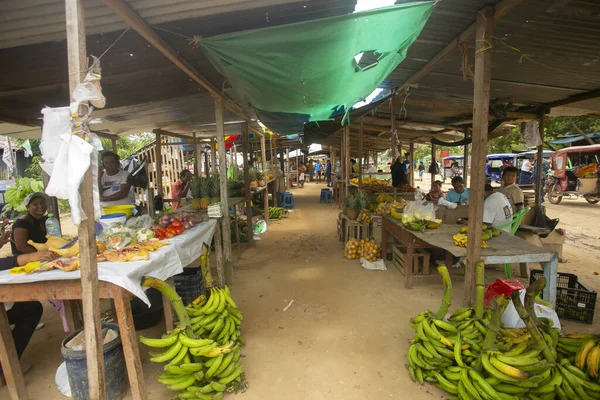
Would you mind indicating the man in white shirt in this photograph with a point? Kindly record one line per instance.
(113, 182)
(526, 173)
(497, 210)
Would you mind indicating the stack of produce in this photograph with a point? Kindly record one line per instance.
(364, 216)
(352, 206)
(170, 225)
(416, 221)
(365, 248)
(460, 238)
(383, 208)
(202, 355)
(407, 189)
(384, 198)
(200, 189)
(471, 356)
(276, 212)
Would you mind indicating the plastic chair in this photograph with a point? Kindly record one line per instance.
(286, 200)
(326, 196)
(514, 226)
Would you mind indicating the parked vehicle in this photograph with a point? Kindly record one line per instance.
(501, 160)
(452, 166)
(574, 174)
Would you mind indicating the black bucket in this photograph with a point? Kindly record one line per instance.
(144, 317)
(114, 368)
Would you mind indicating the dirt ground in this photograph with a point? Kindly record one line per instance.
(346, 334)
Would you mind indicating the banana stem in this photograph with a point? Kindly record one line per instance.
(480, 284)
(531, 293)
(532, 327)
(447, 298)
(494, 326)
(176, 302)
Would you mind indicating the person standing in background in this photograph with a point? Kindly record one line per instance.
(526, 169)
(545, 168)
(421, 170)
(181, 187)
(318, 166)
(328, 173)
(113, 181)
(310, 167)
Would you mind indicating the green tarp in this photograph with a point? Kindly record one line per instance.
(308, 69)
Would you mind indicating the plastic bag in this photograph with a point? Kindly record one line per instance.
(352, 250)
(62, 380)
(511, 319)
(501, 287)
(90, 89)
(141, 222)
(378, 265)
(418, 211)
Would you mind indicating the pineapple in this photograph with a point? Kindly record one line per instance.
(204, 193)
(215, 190)
(196, 194)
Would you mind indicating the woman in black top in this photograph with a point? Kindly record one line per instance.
(31, 226)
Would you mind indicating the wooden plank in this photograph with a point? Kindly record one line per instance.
(114, 144)
(481, 100)
(158, 163)
(501, 9)
(213, 158)
(72, 314)
(130, 345)
(10, 360)
(225, 223)
(77, 62)
(263, 157)
(245, 135)
(538, 169)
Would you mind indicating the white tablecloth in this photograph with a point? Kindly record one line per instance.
(163, 263)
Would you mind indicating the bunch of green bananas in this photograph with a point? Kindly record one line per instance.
(583, 350)
(198, 368)
(276, 212)
(218, 318)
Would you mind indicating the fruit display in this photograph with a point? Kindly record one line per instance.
(363, 248)
(472, 356)
(383, 208)
(460, 238)
(352, 206)
(416, 218)
(406, 188)
(200, 189)
(202, 355)
(364, 216)
(276, 212)
(384, 198)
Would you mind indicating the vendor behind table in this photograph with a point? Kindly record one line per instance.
(113, 181)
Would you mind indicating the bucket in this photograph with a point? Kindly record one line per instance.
(114, 367)
(144, 317)
(109, 219)
(126, 209)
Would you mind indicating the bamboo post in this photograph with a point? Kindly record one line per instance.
(263, 156)
(77, 62)
(360, 153)
(481, 101)
(245, 138)
(225, 276)
(538, 170)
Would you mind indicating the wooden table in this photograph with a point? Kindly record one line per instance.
(67, 290)
(504, 249)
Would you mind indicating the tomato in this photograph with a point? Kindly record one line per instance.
(159, 234)
(176, 224)
(179, 230)
(171, 231)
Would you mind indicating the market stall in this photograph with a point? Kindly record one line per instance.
(501, 250)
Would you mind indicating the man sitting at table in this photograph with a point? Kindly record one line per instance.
(24, 315)
(497, 210)
(460, 194)
(510, 189)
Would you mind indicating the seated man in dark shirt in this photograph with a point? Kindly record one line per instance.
(24, 315)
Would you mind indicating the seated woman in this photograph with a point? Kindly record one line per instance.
(436, 192)
(460, 194)
(24, 315)
(31, 226)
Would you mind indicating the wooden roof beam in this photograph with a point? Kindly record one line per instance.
(120, 8)
(500, 10)
(574, 99)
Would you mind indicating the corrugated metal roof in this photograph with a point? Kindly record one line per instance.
(38, 21)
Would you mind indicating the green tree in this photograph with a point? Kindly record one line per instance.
(128, 145)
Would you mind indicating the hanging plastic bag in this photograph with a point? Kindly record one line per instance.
(90, 89)
(511, 319)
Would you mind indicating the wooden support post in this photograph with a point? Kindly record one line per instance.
(198, 156)
(538, 170)
(158, 161)
(227, 275)
(433, 160)
(287, 168)
(466, 163)
(246, 139)
(10, 360)
(375, 160)
(360, 153)
(341, 190)
(213, 158)
(263, 157)
(114, 144)
(348, 166)
(481, 101)
(77, 61)
(394, 143)
(411, 168)
(206, 164)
